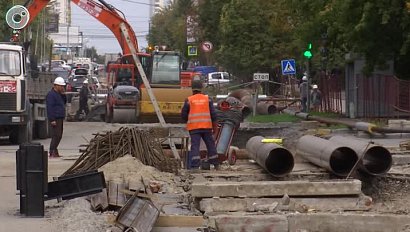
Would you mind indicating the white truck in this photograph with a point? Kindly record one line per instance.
(22, 96)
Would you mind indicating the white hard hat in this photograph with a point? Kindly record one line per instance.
(304, 78)
(59, 81)
(85, 81)
(314, 86)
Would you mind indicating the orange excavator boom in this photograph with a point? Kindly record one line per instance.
(103, 12)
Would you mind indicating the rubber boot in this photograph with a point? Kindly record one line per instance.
(205, 165)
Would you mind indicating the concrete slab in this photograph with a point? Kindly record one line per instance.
(401, 159)
(174, 229)
(276, 188)
(317, 222)
(296, 204)
(348, 222)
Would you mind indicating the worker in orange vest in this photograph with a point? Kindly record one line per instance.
(199, 114)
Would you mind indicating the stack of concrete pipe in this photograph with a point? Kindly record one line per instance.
(245, 96)
(374, 159)
(275, 159)
(341, 155)
(265, 108)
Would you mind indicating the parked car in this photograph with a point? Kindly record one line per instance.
(61, 72)
(217, 78)
(76, 82)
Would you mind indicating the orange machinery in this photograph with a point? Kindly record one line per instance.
(163, 68)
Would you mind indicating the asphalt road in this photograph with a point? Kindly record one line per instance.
(75, 134)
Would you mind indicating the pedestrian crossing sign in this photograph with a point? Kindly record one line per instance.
(192, 50)
(288, 67)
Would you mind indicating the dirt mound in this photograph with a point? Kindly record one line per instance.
(131, 171)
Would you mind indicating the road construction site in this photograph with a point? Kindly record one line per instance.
(240, 197)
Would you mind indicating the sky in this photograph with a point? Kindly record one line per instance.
(99, 36)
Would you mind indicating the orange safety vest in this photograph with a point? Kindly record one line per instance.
(199, 115)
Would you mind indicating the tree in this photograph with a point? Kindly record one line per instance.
(5, 30)
(33, 33)
(247, 40)
(168, 26)
(377, 30)
(209, 20)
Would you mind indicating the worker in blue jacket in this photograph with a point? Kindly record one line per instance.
(199, 113)
(55, 101)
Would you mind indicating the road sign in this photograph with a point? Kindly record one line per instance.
(261, 76)
(207, 46)
(192, 50)
(288, 67)
(17, 17)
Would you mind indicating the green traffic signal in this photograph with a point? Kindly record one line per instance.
(308, 53)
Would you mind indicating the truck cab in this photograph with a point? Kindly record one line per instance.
(12, 80)
(22, 96)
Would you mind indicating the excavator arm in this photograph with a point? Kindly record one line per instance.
(103, 12)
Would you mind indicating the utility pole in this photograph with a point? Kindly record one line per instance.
(308, 54)
(68, 19)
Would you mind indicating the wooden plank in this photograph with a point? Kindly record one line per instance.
(276, 188)
(141, 195)
(179, 221)
(99, 200)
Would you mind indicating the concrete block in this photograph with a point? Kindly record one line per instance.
(348, 222)
(401, 159)
(319, 204)
(276, 188)
(254, 223)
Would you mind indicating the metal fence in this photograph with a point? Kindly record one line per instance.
(333, 95)
(365, 97)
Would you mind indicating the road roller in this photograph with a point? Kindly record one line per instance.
(128, 99)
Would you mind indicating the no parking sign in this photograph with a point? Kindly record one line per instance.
(207, 46)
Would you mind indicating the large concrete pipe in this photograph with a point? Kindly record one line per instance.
(361, 126)
(375, 159)
(327, 154)
(245, 96)
(265, 108)
(275, 159)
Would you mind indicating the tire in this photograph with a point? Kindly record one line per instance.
(24, 133)
(232, 156)
(13, 137)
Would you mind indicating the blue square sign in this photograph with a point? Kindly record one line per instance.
(288, 67)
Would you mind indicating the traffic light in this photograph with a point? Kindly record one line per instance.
(15, 36)
(308, 53)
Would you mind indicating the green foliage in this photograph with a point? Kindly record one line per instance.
(168, 26)
(273, 118)
(209, 20)
(246, 38)
(38, 39)
(251, 36)
(5, 30)
(377, 30)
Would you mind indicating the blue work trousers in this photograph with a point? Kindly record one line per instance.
(194, 159)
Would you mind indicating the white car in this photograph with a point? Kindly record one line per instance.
(96, 82)
(217, 78)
